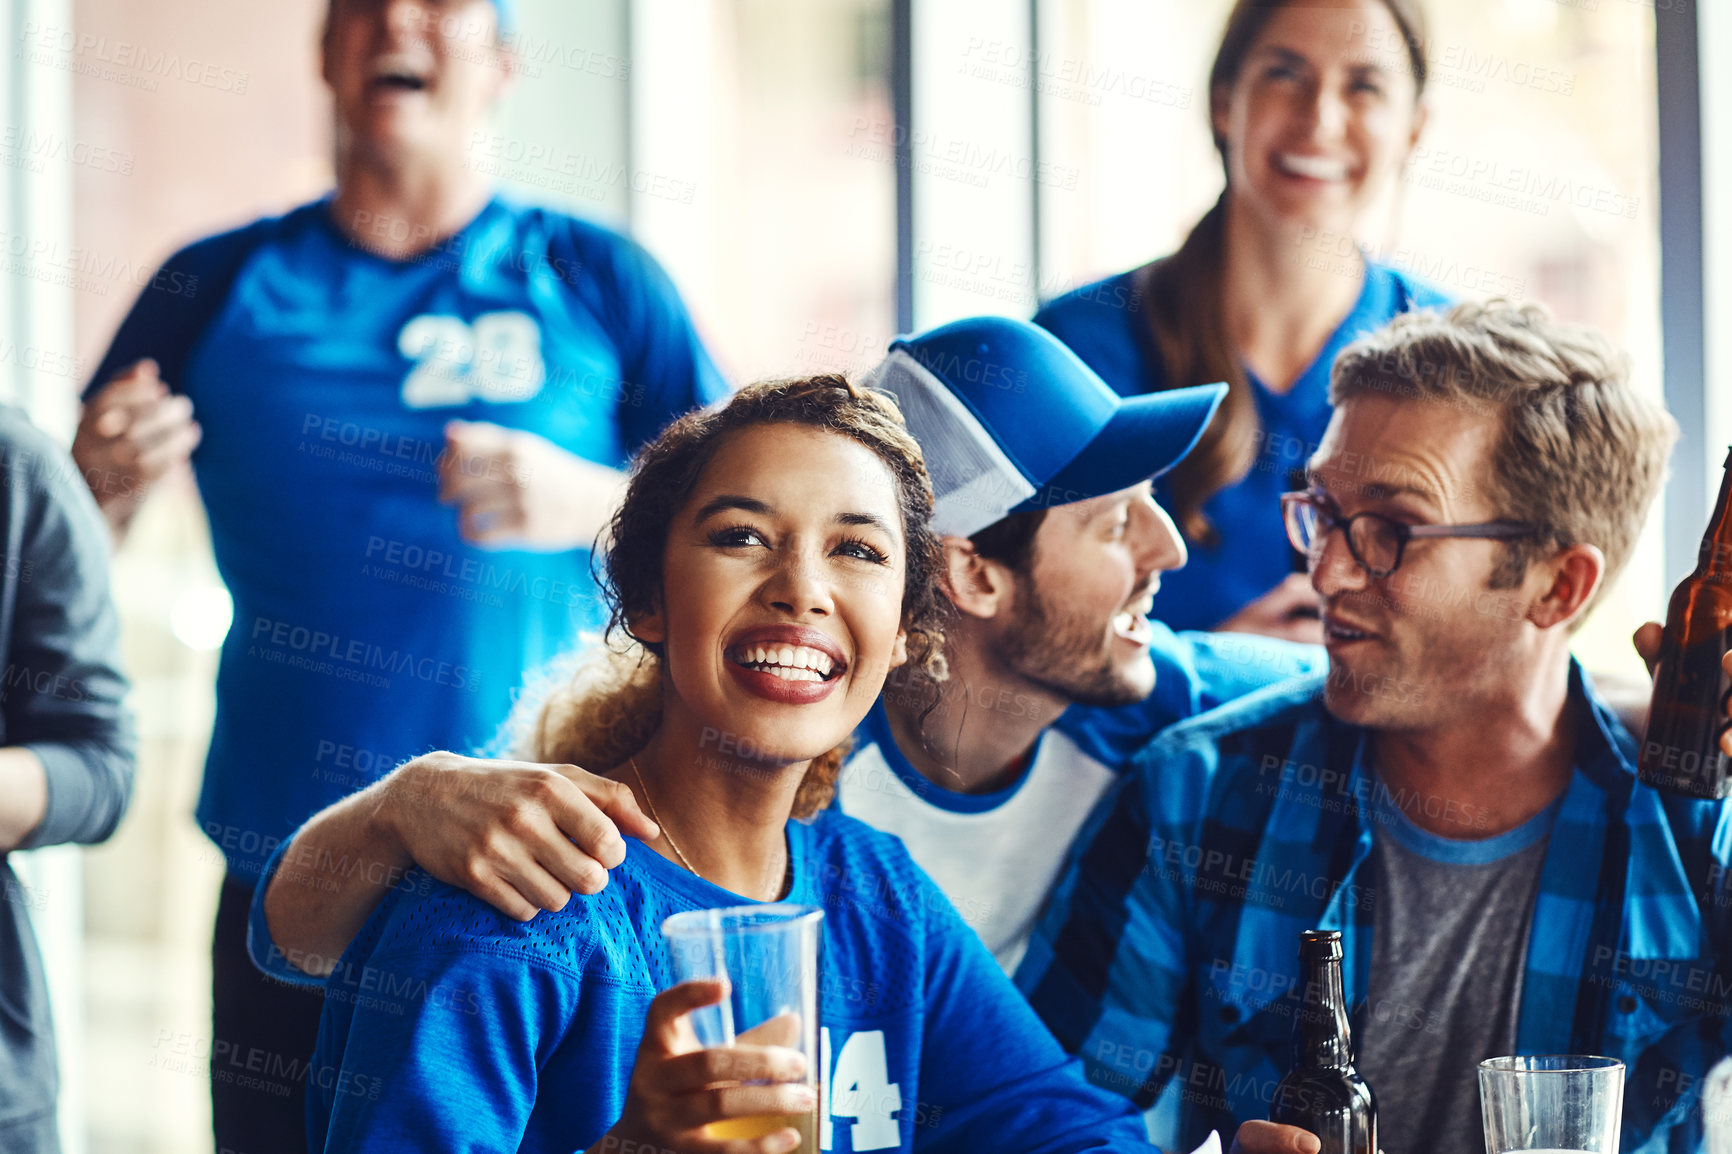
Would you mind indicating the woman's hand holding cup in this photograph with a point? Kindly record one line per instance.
(678, 1087)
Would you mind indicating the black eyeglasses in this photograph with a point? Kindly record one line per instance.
(1375, 541)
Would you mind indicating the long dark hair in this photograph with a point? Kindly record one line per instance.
(1184, 294)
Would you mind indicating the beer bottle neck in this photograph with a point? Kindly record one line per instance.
(1715, 555)
(1321, 1036)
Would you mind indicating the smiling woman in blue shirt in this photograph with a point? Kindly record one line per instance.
(1314, 110)
(771, 562)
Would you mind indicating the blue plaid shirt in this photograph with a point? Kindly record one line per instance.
(1170, 950)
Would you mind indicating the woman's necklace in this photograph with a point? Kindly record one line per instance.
(655, 817)
(787, 862)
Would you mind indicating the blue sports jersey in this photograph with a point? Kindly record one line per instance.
(449, 1026)
(1106, 324)
(365, 630)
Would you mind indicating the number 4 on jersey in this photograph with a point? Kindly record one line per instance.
(861, 1090)
(498, 359)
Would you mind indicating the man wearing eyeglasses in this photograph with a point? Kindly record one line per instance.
(1452, 795)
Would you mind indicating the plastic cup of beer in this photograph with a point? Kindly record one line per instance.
(768, 955)
(1552, 1103)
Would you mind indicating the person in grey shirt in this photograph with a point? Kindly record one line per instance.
(1447, 958)
(66, 740)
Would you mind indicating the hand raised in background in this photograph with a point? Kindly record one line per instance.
(130, 435)
(517, 490)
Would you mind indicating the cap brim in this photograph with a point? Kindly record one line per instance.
(1146, 437)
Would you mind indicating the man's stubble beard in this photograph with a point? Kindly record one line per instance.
(1062, 653)
(1434, 679)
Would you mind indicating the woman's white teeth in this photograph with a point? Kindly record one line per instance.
(789, 674)
(1314, 167)
(789, 662)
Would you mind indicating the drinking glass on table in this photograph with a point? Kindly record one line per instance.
(1717, 1109)
(768, 955)
(1552, 1103)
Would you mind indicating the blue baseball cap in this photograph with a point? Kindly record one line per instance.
(1011, 420)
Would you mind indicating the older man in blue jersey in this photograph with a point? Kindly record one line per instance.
(406, 404)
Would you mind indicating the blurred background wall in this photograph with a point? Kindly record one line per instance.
(816, 175)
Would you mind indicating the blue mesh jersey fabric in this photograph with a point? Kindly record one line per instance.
(449, 1026)
(367, 630)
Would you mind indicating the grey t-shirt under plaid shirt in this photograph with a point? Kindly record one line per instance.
(1448, 950)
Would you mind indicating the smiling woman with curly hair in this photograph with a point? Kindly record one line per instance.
(772, 561)
(614, 699)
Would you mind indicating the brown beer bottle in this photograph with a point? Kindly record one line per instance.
(1681, 752)
(1323, 1093)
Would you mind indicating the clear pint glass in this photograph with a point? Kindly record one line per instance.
(1717, 1109)
(769, 956)
(1552, 1103)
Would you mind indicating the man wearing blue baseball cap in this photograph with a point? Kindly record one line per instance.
(410, 400)
(1053, 546)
